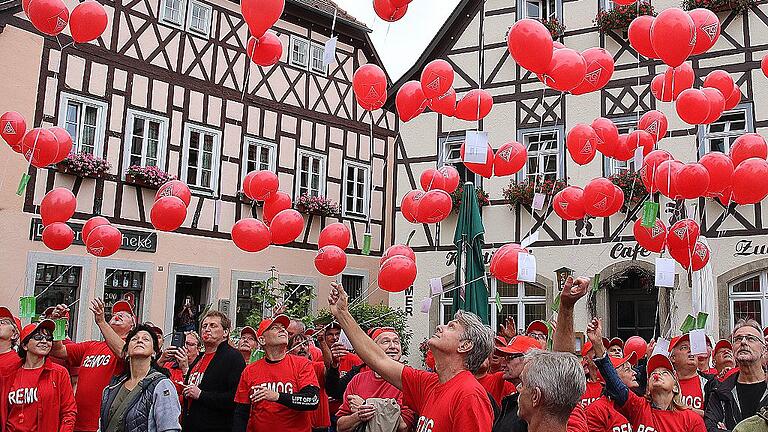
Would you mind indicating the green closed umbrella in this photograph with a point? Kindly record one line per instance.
(470, 267)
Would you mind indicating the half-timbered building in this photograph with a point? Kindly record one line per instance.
(169, 85)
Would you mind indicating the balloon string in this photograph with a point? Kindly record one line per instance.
(465, 284)
(247, 73)
(623, 225)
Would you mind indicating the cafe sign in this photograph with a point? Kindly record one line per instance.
(141, 241)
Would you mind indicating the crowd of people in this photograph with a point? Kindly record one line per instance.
(284, 377)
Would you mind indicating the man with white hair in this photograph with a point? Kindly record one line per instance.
(449, 400)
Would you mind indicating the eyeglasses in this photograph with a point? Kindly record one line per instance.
(748, 338)
(538, 336)
(6, 321)
(661, 372)
(42, 337)
(511, 357)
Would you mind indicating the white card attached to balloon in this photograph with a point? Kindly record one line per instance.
(436, 286)
(639, 158)
(345, 341)
(329, 52)
(662, 347)
(698, 341)
(526, 267)
(665, 272)
(531, 239)
(476, 147)
(426, 304)
(538, 201)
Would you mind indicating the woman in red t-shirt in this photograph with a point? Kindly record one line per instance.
(661, 409)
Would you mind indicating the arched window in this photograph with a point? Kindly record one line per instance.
(749, 297)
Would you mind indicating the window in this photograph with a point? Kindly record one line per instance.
(85, 120)
(173, 11)
(317, 52)
(543, 155)
(356, 189)
(199, 20)
(615, 166)
(539, 9)
(201, 158)
(749, 298)
(123, 285)
(607, 5)
(311, 171)
(450, 154)
(258, 155)
(354, 285)
(299, 52)
(524, 302)
(295, 293)
(146, 140)
(719, 135)
(246, 289)
(194, 13)
(57, 284)
(307, 55)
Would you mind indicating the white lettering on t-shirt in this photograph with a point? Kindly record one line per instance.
(22, 396)
(196, 378)
(693, 402)
(425, 424)
(586, 402)
(94, 361)
(644, 428)
(626, 427)
(279, 387)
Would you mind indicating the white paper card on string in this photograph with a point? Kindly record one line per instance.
(638, 158)
(665, 272)
(345, 341)
(526, 267)
(476, 147)
(662, 347)
(538, 201)
(426, 304)
(531, 239)
(329, 52)
(698, 341)
(436, 286)
(690, 211)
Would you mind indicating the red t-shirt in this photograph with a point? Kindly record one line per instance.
(23, 401)
(692, 393)
(639, 412)
(577, 421)
(495, 385)
(321, 417)
(197, 372)
(593, 393)
(97, 364)
(346, 363)
(316, 353)
(602, 416)
(9, 361)
(177, 377)
(288, 375)
(368, 385)
(461, 404)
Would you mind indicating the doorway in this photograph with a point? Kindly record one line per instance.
(189, 302)
(633, 302)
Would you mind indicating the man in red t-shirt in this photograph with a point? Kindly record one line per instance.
(278, 392)
(593, 379)
(321, 417)
(449, 400)
(602, 415)
(686, 366)
(10, 326)
(97, 361)
(493, 382)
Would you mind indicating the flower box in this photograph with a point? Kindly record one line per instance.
(522, 192)
(556, 29)
(149, 177)
(457, 195)
(317, 205)
(632, 185)
(620, 17)
(84, 165)
(738, 6)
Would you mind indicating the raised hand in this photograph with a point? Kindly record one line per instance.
(595, 335)
(338, 301)
(573, 290)
(509, 329)
(97, 307)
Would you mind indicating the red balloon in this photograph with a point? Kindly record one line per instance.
(90, 225)
(395, 250)
(65, 143)
(673, 36)
(103, 241)
(683, 235)
(637, 345)
(720, 80)
(750, 145)
(509, 159)
(451, 178)
(370, 85)
(387, 11)
(625, 149)
(330, 260)
(265, 50)
(400, 3)
(397, 273)
(336, 234)
(618, 201)
(650, 166)
(655, 123)
(716, 104)
(48, 16)
(668, 87)
(764, 65)
(474, 106)
(434, 207)
(652, 239)
(444, 104)
(261, 14)
(693, 106)
(12, 129)
(600, 68)
(484, 170)
(168, 213)
(286, 226)
(566, 70)
(666, 174)
(707, 27)
(88, 21)
(176, 188)
(275, 204)
(607, 136)
(58, 236)
(58, 205)
(599, 197)
(641, 138)
(720, 169)
(569, 203)
(530, 44)
(40, 147)
(262, 185)
(432, 179)
(582, 144)
(749, 184)
(692, 181)
(700, 256)
(734, 99)
(410, 101)
(251, 235)
(639, 34)
(437, 78)
(410, 205)
(504, 263)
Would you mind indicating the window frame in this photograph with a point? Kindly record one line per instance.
(162, 145)
(294, 40)
(749, 127)
(312, 46)
(627, 124)
(349, 272)
(523, 133)
(209, 19)
(182, 14)
(523, 10)
(366, 190)
(606, 5)
(323, 172)
(443, 149)
(101, 121)
(261, 142)
(215, 162)
(761, 296)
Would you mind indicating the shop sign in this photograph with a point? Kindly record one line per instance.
(141, 241)
(747, 248)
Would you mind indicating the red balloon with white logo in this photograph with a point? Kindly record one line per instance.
(261, 185)
(168, 213)
(276, 203)
(720, 80)
(397, 273)
(566, 70)
(581, 143)
(40, 147)
(65, 143)
(90, 225)
(251, 235)
(176, 188)
(330, 260)
(370, 86)
(260, 15)
(12, 129)
(432, 179)
(482, 169)
(654, 238)
(387, 10)
(692, 181)
(509, 159)
(398, 250)
(607, 136)
(750, 145)
(58, 205)
(655, 123)
(569, 203)
(673, 36)
(504, 263)
(335, 234)
(103, 241)
(286, 226)
(58, 236)
(599, 196)
(48, 16)
(749, 185)
(410, 101)
(437, 78)
(451, 178)
(265, 50)
(87, 21)
(716, 104)
(666, 176)
(625, 148)
(444, 104)
(694, 259)
(720, 170)
(474, 106)
(618, 201)
(650, 165)
(683, 235)
(531, 45)
(667, 87)
(599, 71)
(707, 27)
(641, 138)
(410, 204)
(434, 207)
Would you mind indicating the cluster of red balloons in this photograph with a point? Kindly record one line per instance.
(370, 86)
(170, 208)
(504, 262)
(675, 34)
(264, 48)
(391, 10)
(706, 105)
(40, 146)
(599, 198)
(87, 21)
(558, 67)
(57, 207)
(681, 240)
(397, 268)
(584, 141)
(434, 204)
(100, 237)
(507, 160)
(331, 258)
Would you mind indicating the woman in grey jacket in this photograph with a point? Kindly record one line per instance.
(143, 399)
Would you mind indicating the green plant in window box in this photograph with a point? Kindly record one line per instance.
(483, 199)
(149, 176)
(632, 185)
(556, 29)
(84, 165)
(620, 17)
(738, 6)
(317, 205)
(522, 192)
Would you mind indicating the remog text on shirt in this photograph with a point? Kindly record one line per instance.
(94, 361)
(425, 424)
(23, 396)
(626, 427)
(279, 387)
(196, 378)
(693, 401)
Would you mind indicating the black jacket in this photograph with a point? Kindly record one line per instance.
(214, 410)
(723, 406)
(507, 419)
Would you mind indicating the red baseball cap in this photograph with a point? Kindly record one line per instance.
(500, 341)
(722, 343)
(615, 341)
(248, 329)
(657, 361)
(538, 325)
(268, 322)
(158, 331)
(631, 358)
(677, 340)
(30, 328)
(6, 313)
(378, 331)
(122, 306)
(588, 347)
(520, 345)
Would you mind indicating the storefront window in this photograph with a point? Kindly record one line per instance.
(123, 285)
(57, 284)
(245, 301)
(749, 297)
